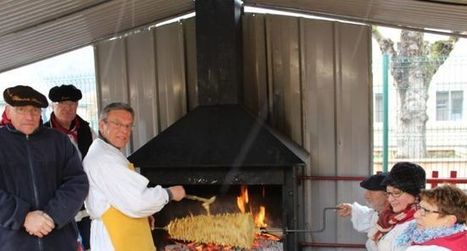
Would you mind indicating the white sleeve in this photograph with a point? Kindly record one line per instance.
(362, 217)
(126, 190)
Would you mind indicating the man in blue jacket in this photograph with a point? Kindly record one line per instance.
(42, 182)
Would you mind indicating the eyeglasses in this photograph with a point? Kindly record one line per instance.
(120, 125)
(423, 211)
(395, 194)
(23, 110)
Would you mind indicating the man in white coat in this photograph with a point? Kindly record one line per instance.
(364, 218)
(119, 201)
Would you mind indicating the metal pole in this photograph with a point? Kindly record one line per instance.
(385, 112)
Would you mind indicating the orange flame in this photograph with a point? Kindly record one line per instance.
(242, 203)
(260, 217)
(242, 200)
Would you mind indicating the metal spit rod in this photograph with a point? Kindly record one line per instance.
(323, 227)
(285, 231)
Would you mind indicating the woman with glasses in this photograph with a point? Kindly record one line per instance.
(403, 185)
(439, 221)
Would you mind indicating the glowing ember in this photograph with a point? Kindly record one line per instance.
(262, 242)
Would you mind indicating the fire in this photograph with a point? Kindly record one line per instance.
(262, 241)
(242, 203)
(260, 217)
(242, 200)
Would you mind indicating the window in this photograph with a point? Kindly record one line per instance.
(75, 67)
(456, 105)
(378, 108)
(442, 100)
(449, 105)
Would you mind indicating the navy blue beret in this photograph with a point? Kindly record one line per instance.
(22, 95)
(65, 93)
(374, 182)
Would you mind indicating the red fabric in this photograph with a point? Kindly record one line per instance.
(5, 120)
(388, 219)
(73, 131)
(455, 242)
(79, 246)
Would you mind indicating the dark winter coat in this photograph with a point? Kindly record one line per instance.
(41, 171)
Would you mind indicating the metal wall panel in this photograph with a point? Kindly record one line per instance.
(189, 28)
(353, 100)
(255, 94)
(146, 70)
(112, 79)
(284, 78)
(170, 58)
(353, 107)
(142, 83)
(331, 102)
(112, 75)
(317, 45)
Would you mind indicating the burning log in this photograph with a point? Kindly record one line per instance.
(236, 229)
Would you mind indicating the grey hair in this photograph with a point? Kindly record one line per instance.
(115, 106)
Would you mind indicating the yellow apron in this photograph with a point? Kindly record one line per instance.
(126, 233)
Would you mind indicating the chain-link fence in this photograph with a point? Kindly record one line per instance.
(426, 119)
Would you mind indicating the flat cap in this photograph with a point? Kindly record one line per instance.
(22, 95)
(65, 93)
(373, 182)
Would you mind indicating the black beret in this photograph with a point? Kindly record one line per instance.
(22, 95)
(373, 182)
(406, 176)
(65, 93)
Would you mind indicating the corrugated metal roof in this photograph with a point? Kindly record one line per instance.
(407, 13)
(34, 30)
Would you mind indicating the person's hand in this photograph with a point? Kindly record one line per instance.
(152, 222)
(178, 192)
(38, 223)
(345, 209)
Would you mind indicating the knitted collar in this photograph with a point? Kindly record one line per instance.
(387, 220)
(413, 235)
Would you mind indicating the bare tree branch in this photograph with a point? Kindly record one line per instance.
(386, 45)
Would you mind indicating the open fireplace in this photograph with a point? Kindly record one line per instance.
(263, 202)
(220, 151)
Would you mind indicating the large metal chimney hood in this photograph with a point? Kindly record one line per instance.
(219, 132)
(218, 136)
